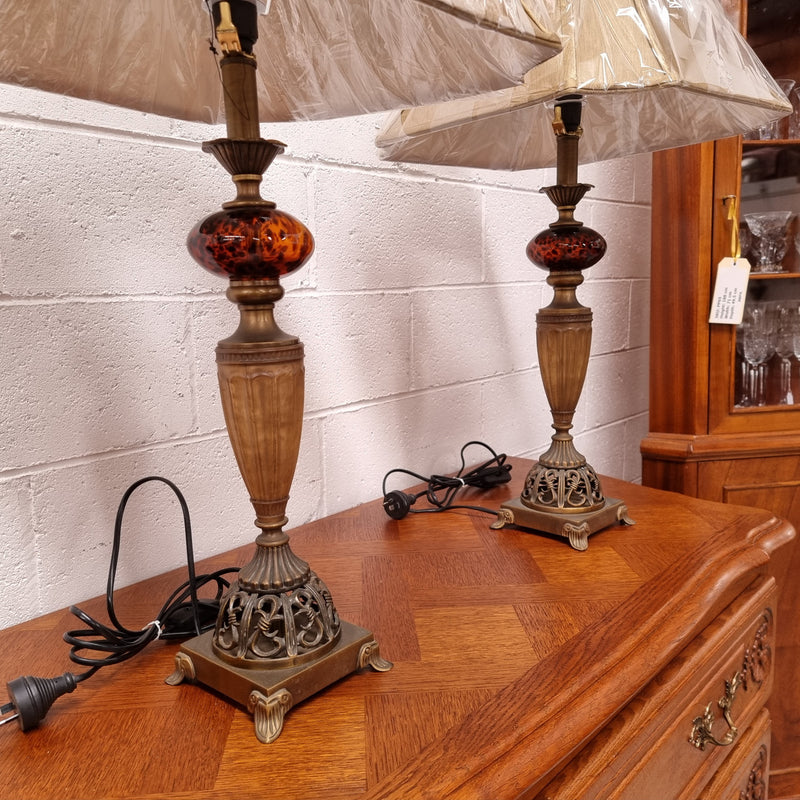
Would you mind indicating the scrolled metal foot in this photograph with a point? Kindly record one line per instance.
(268, 713)
(622, 516)
(184, 670)
(504, 517)
(578, 535)
(370, 656)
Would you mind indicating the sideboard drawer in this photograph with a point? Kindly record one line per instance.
(745, 774)
(660, 744)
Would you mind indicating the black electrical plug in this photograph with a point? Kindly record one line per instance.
(31, 698)
(398, 504)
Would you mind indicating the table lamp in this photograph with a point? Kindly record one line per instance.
(278, 637)
(633, 76)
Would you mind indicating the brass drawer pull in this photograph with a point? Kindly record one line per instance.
(701, 727)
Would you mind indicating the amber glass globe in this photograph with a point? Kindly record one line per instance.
(566, 249)
(256, 243)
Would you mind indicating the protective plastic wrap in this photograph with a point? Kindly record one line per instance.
(316, 58)
(653, 74)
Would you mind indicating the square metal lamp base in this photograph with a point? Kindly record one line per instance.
(576, 527)
(269, 692)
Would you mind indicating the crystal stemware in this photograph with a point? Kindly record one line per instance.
(742, 396)
(776, 128)
(797, 241)
(745, 240)
(770, 228)
(796, 341)
(786, 324)
(794, 119)
(757, 348)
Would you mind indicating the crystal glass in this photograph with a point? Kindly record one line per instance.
(796, 338)
(784, 329)
(770, 228)
(745, 241)
(794, 119)
(776, 128)
(742, 396)
(797, 243)
(757, 349)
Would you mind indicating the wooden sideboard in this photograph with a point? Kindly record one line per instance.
(522, 669)
(708, 438)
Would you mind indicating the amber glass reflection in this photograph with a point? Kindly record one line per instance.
(566, 249)
(250, 244)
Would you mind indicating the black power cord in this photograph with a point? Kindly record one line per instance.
(183, 615)
(441, 490)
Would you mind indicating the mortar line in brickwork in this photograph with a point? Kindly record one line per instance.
(321, 413)
(415, 174)
(7, 299)
(74, 300)
(416, 289)
(107, 455)
(28, 122)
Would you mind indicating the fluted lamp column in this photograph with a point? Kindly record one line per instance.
(278, 638)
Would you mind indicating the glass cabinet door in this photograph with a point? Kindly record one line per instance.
(765, 371)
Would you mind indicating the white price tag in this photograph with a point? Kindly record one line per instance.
(730, 290)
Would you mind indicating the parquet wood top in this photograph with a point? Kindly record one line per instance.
(510, 650)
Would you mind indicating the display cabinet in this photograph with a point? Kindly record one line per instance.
(724, 403)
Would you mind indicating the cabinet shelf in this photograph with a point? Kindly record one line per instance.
(749, 144)
(764, 409)
(774, 276)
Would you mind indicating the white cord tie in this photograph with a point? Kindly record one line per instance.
(157, 625)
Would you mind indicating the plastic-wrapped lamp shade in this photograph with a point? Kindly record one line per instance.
(652, 73)
(317, 58)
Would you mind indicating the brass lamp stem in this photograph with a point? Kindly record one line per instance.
(567, 139)
(241, 97)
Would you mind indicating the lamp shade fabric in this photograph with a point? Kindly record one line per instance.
(653, 74)
(316, 58)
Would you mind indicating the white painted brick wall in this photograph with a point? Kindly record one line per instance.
(417, 311)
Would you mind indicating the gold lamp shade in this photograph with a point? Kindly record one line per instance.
(652, 74)
(317, 58)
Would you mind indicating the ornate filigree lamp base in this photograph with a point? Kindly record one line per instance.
(269, 693)
(576, 527)
(562, 496)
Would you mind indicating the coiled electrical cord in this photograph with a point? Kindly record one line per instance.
(182, 615)
(441, 490)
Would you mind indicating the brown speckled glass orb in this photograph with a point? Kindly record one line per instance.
(566, 249)
(250, 243)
